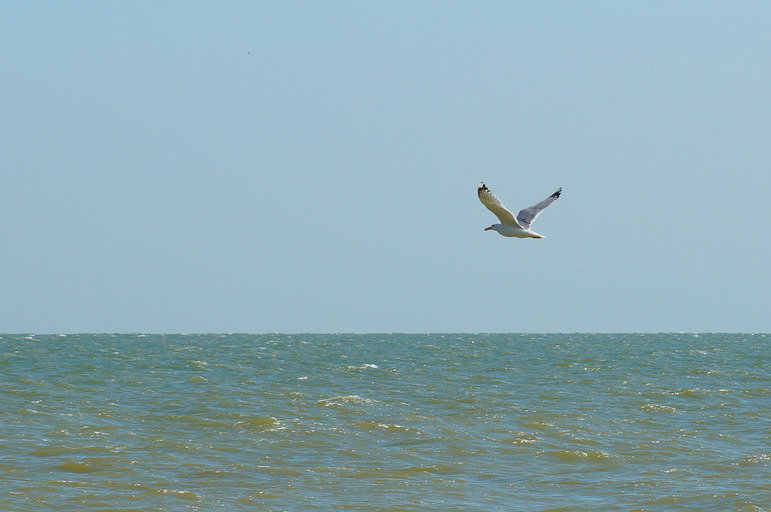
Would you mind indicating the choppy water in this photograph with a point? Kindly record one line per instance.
(391, 422)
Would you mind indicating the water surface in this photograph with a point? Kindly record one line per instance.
(385, 422)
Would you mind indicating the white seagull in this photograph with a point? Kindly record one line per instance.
(509, 226)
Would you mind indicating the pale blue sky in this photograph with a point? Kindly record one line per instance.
(312, 166)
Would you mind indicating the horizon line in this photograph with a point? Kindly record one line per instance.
(364, 333)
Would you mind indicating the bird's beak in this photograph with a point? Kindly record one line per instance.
(487, 229)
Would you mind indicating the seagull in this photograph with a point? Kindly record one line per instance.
(509, 226)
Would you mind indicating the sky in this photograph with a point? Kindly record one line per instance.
(312, 166)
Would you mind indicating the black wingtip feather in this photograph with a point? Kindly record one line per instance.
(557, 193)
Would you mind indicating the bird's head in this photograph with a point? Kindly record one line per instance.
(494, 227)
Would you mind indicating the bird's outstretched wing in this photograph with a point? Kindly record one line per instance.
(494, 205)
(527, 216)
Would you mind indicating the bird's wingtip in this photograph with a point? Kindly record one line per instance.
(557, 193)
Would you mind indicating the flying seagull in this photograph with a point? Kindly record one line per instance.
(509, 226)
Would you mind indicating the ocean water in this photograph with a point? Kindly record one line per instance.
(385, 422)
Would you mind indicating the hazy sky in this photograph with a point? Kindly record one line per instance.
(312, 166)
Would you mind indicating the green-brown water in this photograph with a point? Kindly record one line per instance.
(385, 422)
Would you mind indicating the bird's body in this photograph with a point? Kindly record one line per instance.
(513, 231)
(518, 227)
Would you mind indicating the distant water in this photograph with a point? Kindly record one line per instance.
(386, 422)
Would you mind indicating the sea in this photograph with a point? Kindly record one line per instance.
(385, 422)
